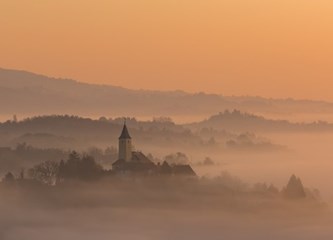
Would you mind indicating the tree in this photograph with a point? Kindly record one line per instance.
(272, 189)
(294, 188)
(45, 172)
(89, 169)
(22, 174)
(177, 158)
(61, 171)
(162, 120)
(260, 187)
(208, 161)
(75, 167)
(9, 177)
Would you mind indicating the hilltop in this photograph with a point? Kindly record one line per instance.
(242, 121)
(25, 93)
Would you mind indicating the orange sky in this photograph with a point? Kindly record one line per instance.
(274, 48)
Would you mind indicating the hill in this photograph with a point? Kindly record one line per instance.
(28, 94)
(238, 121)
(72, 132)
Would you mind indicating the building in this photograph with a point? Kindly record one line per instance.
(129, 160)
(134, 162)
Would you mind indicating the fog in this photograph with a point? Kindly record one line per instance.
(225, 201)
(223, 208)
(310, 156)
(157, 209)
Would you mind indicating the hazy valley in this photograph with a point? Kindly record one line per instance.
(243, 149)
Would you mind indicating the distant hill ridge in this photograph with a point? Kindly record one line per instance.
(241, 121)
(26, 93)
(235, 121)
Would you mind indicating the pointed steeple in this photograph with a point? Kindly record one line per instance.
(124, 133)
(125, 144)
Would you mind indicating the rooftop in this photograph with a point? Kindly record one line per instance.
(124, 133)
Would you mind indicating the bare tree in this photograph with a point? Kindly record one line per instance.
(45, 172)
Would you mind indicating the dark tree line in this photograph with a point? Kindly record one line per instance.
(75, 167)
(80, 168)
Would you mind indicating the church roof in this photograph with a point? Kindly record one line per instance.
(124, 133)
(139, 157)
(119, 162)
(183, 170)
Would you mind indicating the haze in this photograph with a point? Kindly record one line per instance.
(267, 48)
(243, 151)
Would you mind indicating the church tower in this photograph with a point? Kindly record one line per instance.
(125, 145)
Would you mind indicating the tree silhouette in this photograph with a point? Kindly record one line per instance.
(45, 172)
(294, 189)
(75, 167)
(9, 177)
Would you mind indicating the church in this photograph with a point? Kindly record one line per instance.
(135, 162)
